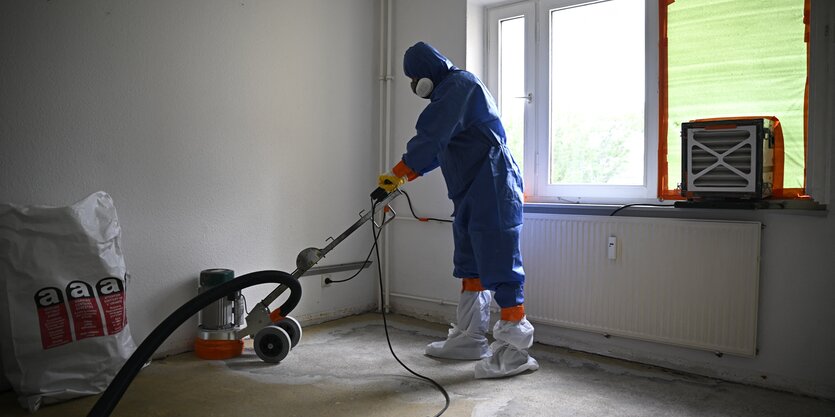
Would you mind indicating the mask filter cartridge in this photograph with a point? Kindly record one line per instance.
(423, 87)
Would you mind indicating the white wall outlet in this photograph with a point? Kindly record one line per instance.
(325, 278)
(612, 247)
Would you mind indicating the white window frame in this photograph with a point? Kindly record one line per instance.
(821, 101)
(821, 121)
(537, 83)
(494, 16)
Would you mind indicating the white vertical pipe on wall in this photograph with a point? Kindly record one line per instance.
(389, 79)
(383, 110)
(385, 126)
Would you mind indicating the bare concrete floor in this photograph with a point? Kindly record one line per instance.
(344, 368)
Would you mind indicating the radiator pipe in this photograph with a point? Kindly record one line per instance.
(440, 301)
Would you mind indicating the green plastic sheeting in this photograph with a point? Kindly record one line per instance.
(737, 58)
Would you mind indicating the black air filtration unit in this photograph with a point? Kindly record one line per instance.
(727, 159)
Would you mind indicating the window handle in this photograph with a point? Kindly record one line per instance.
(528, 98)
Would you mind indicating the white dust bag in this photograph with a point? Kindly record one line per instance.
(63, 324)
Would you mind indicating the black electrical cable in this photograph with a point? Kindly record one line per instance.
(385, 323)
(108, 401)
(411, 208)
(423, 219)
(120, 383)
(638, 204)
(367, 258)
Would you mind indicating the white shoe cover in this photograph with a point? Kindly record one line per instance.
(467, 340)
(510, 351)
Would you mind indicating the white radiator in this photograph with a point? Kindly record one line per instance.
(690, 283)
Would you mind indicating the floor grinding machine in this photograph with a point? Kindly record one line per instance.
(220, 304)
(221, 324)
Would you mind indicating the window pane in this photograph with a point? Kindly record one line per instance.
(597, 94)
(512, 84)
(730, 59)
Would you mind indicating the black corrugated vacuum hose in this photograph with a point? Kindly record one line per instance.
(108, 401)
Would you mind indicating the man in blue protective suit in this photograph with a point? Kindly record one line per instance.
(460, 131)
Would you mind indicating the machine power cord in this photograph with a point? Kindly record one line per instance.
(367, 258)
(376, 250)
(423, 219)
(377, 235)
(638, 205)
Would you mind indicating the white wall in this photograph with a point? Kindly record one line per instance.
(229, 133)
(797, 311)
(234, 135)
(476, 42)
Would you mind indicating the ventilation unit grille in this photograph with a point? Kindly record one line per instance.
(725, 159)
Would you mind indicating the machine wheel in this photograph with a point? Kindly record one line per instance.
(293, 328)
(272, 344)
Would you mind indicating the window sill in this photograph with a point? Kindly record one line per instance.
(679, 207)
(588, 209)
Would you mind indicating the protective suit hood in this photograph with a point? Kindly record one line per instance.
(423, 61)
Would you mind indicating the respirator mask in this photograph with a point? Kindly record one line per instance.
(422, 87)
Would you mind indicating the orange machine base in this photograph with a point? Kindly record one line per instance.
(218, 349)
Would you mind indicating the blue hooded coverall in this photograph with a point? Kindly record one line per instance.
(460, 131)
